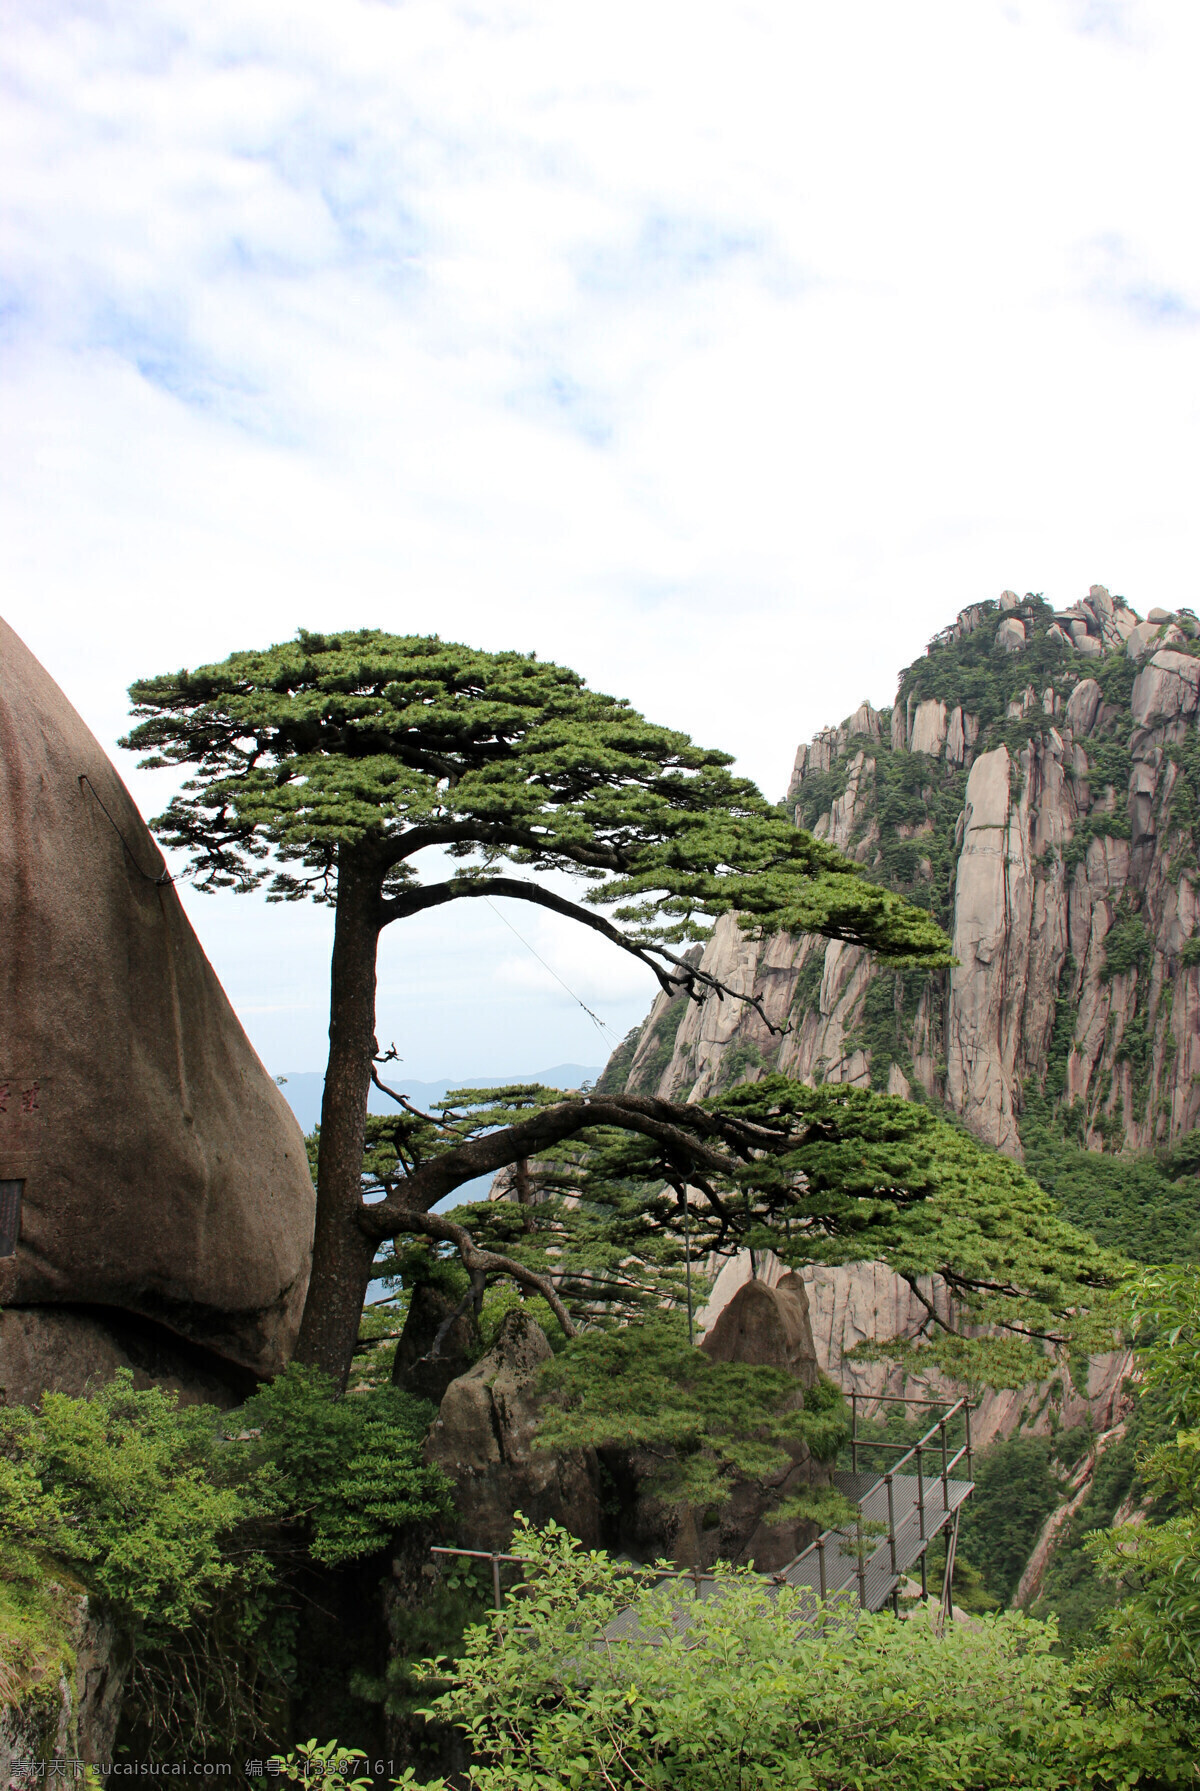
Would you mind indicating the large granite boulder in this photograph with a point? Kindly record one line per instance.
(1141, 638)
(764, 1325)
(483, 1439)
(148, 1163)
(767, 1327)
(1168, 686)
(928, 728)
(1083, 706)
(65, 1349)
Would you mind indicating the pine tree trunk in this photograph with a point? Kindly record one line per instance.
(342, 1256)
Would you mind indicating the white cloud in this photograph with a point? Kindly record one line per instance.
(723, 352)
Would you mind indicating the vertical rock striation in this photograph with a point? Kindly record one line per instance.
(1036, 785)
(1044, 803)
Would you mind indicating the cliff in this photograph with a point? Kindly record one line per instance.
(1036, 785)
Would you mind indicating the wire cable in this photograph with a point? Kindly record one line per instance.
(593, 1017)
(129, 852)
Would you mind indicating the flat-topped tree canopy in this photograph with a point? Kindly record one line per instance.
(385, 745)
(323, 767)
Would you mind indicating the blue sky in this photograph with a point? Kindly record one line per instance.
(721, 351)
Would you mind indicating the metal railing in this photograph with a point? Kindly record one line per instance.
(484, 1554)
(914, 1452)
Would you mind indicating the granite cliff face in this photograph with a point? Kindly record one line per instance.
(1036, 784)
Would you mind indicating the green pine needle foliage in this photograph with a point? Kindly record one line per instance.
(379, 745)
(644, 1386)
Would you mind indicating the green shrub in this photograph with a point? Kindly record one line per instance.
(738, 1695)
(124, 1487)
(347, 1471)
(1127, 947)
(189, 1524)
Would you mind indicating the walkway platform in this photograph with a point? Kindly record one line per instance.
(858, 1568)
(900, 1513)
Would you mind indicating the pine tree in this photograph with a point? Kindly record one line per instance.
(324, 767)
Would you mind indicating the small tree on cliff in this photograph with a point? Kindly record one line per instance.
(327, 765)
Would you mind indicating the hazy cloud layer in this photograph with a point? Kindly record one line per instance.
(723, 351)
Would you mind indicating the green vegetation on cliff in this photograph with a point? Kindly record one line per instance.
(1138, 1202)
(190, 1525)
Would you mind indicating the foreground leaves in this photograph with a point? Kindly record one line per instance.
(739, 1693)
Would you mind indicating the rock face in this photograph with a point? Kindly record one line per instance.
(1046, 807)
(865, 1300)
(1165, 688)
(1031, 824)
(70, 1707)
(766, 1326)
(148, 1164)
(483, 1439)
(55, 1349)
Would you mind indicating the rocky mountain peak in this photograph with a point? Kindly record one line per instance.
(1036, 785)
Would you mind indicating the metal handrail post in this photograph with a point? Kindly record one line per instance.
(920, 1493)
(946, 1613)
(496, 1580)
(945, 1471)
(970, 1468)
(891, 1520)
(854, 1433)
(821, 1562)
(862, 1565)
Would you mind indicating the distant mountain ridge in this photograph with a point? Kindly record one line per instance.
(303, 1088)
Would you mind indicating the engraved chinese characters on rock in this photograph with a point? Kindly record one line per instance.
(22, 1104)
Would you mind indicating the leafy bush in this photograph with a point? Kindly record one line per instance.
(125, 1488)
(738, 1693)
(189, 1523)
(348, 1471)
